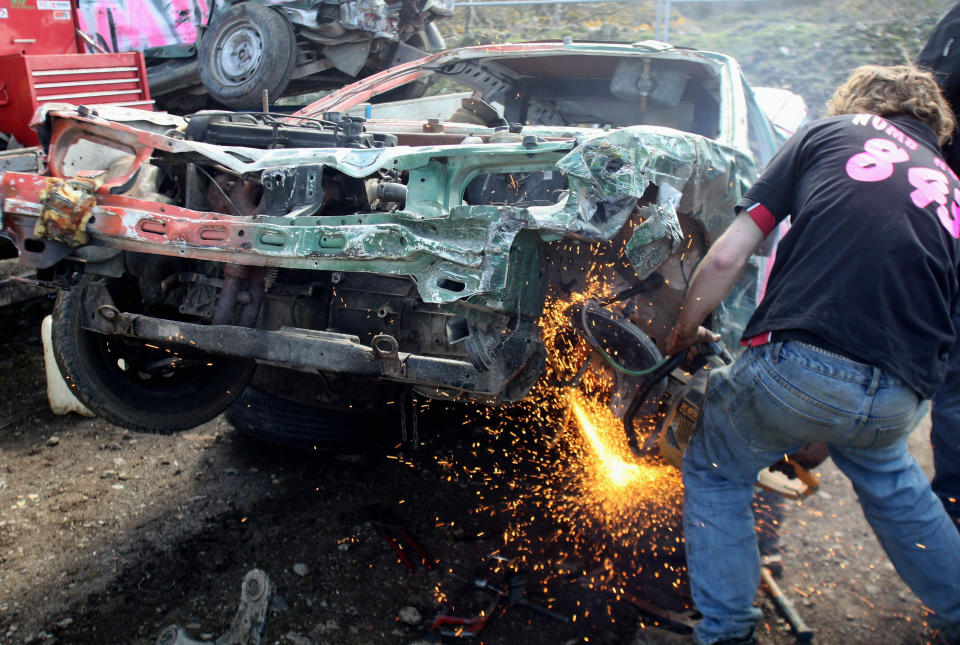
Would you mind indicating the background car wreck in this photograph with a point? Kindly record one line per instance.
(234, 51)
(193, 247)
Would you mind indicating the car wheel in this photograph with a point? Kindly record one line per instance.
(274, 419)
(140, 385)
(247, 49)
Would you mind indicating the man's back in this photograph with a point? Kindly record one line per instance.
(869, 262)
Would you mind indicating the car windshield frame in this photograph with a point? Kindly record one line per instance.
(487, 71)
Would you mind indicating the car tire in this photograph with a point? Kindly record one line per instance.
(247, 49)
(103, 372)
(295, 424)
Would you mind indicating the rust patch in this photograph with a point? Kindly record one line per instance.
(66, 209)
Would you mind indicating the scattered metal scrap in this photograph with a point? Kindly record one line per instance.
(514, 595)
(248, 623)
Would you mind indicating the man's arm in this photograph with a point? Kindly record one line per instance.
(712, 281)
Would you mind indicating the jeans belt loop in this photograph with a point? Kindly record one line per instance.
(777, 346)
(875, 381)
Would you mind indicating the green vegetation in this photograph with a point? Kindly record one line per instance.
(808, 46)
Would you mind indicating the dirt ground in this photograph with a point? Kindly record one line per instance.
(108, 536)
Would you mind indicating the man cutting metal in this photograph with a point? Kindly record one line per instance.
(847, 345)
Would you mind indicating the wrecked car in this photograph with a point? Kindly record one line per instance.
(349, 261)
(234, 51)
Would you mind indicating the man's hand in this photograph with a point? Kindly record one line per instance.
(679, 340)
(712, 281)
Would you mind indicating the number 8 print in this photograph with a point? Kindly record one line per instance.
(876, 163)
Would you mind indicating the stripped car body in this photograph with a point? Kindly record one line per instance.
(412, 253)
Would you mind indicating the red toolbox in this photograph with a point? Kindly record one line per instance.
(28, 81)
(37, 27)
(41, 61)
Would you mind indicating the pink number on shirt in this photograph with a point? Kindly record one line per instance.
(876, 162)
(951, 219)
(930, 184)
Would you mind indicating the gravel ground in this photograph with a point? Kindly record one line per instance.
(108, 536)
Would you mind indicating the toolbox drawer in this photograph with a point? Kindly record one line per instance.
(28, 81)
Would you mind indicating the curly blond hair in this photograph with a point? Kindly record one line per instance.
(896, 90)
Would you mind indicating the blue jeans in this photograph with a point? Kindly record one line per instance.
(945, 435)
(771, 401)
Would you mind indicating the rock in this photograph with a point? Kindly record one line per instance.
(54, 440)
(119, 461)
(108, 474)
(409, 616)
(279, 604)
(66, 622)
(123, 475)
(344, 546)
(301, 569)
(297, 639)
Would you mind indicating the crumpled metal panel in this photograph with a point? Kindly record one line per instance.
(625, 161)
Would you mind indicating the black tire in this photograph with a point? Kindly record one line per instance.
(247, 49)
(121, 380)
(274, 419)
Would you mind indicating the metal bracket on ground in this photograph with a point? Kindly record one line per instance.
(248, 623)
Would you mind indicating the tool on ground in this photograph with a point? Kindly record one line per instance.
(515, 595)
(802, 632)
(248, 623)
(682, 620)
(517, 585)
(401, 549)
(460, 627)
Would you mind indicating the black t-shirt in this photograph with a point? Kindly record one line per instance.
(870, 262)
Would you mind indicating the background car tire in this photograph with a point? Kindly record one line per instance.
(101, 372)
(247, 49)
(296, 424)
